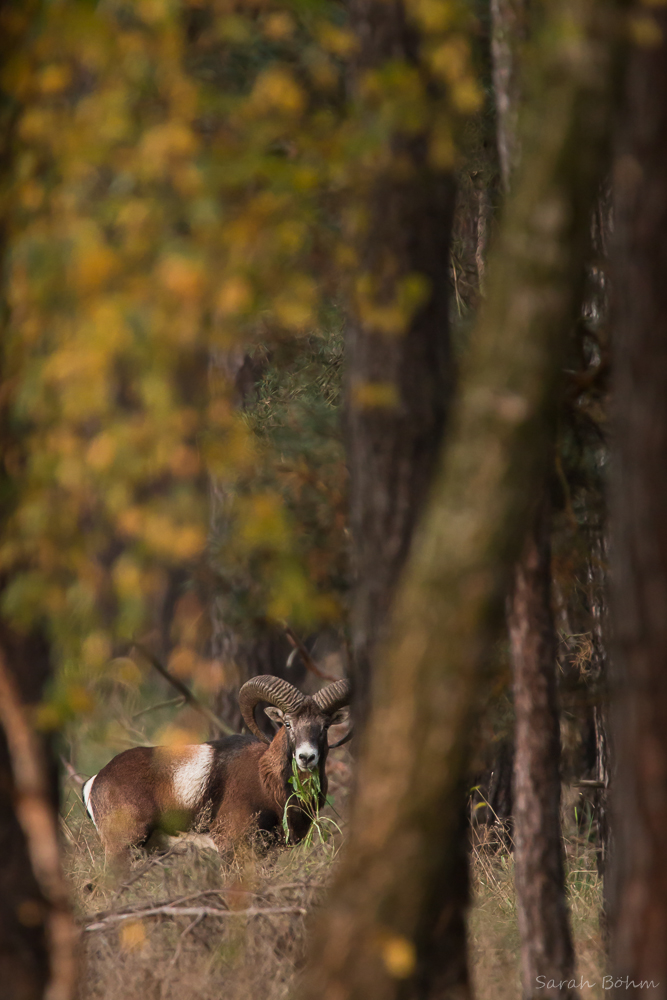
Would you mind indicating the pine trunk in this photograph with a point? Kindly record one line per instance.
(392, 448)
(639, 519)
(546, 944)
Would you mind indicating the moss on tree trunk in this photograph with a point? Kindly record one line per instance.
(393, 927)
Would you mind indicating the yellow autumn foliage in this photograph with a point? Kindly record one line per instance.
(167, 211)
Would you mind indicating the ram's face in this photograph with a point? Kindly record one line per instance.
(306, 733)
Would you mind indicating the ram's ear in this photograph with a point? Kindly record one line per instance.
(275, 714)
(341, 716)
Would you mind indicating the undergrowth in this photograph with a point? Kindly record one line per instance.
(493, 933)
(237, 928)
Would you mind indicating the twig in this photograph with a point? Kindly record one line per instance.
(38, 823)
(308, 661)
(191, 911)
(166, 983)
(585, 783)
(71, 773)
(147, 867)
(161, 704)
(185, 692)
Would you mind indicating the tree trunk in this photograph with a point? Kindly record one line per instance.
(392, 446)
(393, 927)
(639, 897)
(234, 374)
(509, 31)
(546, 945)
(28, 960)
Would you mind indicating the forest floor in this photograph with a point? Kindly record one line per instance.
(187, 925)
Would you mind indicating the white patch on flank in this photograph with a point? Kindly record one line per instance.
(85, 791)
(191, 777)
(307, 748)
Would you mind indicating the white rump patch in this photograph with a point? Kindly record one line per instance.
(85, 791)
(191, 777)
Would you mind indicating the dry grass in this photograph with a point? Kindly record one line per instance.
(219, 950)
(493, 933)
(243, 928)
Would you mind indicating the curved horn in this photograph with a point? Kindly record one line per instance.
(333, 697)
(330, 699)
(276, 691)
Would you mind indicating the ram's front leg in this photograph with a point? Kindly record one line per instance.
(299, 823)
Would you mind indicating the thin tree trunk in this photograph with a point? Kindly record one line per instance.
(37, 893)
(393, 927)
(639, 521)
(546, 944)
(508, 32)
(26, 958)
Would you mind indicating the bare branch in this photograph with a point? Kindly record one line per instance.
(299, 647)
(161, 704)
(185, 692)
(73, 775)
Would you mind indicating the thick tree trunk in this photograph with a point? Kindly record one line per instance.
(639, 519)
(393, 925)
(28, 962)
(392, 445)
(546, 944)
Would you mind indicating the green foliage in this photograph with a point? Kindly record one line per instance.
(306, 791)
(295, 491)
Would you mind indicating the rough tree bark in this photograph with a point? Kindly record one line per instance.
(392, 450)
(639, 526)
(236, 374)
(394, 925)
(546, 944)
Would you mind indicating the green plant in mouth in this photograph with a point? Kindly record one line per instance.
(306, 791)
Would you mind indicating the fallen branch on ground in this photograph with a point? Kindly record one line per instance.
(234, 890)
(191, 911)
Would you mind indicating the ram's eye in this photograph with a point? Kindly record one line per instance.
(287, 725)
